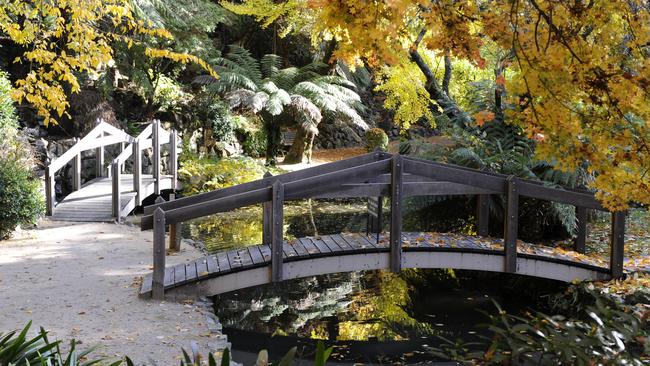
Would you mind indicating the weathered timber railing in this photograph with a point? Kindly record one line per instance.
(153, 136)
(102, 135)
(375, 175)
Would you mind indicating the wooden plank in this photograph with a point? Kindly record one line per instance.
(579, 243)
(50, 197)
(169, 276)
(158, 277)
(454, 174)
(179, 273)
(397, 168)
(266, 252)
(256, 254)
(350, 245)
(365, 241)
(234, 259)
(213, 265)
(331, 244)
(190, 271)
(320, 244)
(309, 245)
(146, 284)
(277, 231)
(299, 248)
(332, 241)
(224, 264)
(99, 161)
(617, 244)
(511, 223)
(246, 259)
(483, 214)
(571, 197)
(288, 250)
(137, 172)
(201, 267)
(266, 182)
(116, 188)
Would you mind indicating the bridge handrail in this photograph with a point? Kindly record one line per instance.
(95, 139)
(154, 135)
(372, 175)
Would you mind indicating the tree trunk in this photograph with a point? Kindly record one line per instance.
(296, 153)
(273, 140)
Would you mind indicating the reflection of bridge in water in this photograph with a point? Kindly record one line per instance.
(372, 175)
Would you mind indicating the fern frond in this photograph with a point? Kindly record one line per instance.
(270, 65)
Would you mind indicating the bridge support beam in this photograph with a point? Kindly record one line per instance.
(277, 231)
(482, 214)
(581, 234)
(617, 247)
(397, 168)
(511, 222)
(158, 276)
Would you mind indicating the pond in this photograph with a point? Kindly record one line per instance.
(370, 317)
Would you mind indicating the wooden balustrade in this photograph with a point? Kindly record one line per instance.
(378, 175)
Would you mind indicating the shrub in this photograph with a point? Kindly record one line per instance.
(207, 174)
(7, 111)
(376, 139)
(252, 135)
(20, 197)
(218, 116)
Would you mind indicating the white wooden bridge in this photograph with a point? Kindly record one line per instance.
(113, 193)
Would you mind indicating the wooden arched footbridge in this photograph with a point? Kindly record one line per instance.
(112, 194)
(371, 175)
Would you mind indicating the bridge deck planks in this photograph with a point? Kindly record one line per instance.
(254, 256)
(93, 202)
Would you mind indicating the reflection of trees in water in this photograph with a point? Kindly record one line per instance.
(351, 306)
(243, 227)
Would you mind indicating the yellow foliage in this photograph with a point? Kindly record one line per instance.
(63, 38)
(580, 76)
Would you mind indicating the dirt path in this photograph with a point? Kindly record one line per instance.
(80, 280)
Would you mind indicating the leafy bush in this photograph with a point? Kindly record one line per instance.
(7, 111)
(207, 174)
(20, 198)
(218, 116)
(376, 139)
(252, 135)
(17, 350)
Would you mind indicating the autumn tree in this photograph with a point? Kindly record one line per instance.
(63, 39)
(578, 72)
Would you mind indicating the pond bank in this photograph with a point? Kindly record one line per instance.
(80, 280)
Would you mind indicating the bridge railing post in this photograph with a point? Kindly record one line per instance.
(155, 139)
(116, 187)
(277, 231)
(267, 219)
(76, 171)
(99, 159)
(173, 158)
(397, 168)
(137, 172)
(483, 214)
(174, 231)
(375, 208)
(581, 234)
(158, 276)
(511, 222)
(49, 191)
(617, 247)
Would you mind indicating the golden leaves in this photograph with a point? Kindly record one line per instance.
(59, 48)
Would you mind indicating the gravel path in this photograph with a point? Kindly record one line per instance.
(81, 280)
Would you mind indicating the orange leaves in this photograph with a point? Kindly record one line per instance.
(483, 116)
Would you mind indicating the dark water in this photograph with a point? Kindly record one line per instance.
(370, 317)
